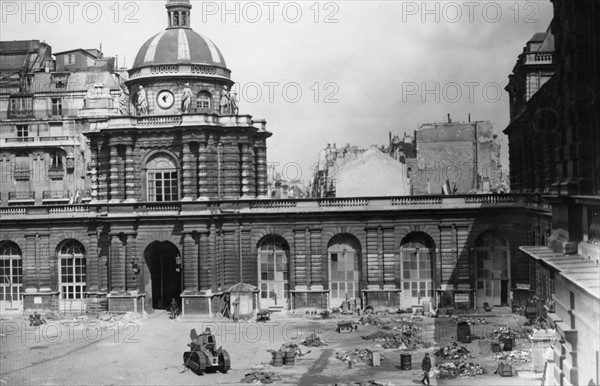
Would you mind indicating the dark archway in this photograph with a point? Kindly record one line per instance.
(162, 275)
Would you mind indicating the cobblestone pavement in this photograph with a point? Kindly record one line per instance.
(149, 351)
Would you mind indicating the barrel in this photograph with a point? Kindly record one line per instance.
(463, 332)
(277, 358)
(508, 344)
(289, 358)
(405, 361)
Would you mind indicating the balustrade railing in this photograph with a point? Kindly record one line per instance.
(272, 204)
(343, 202)
(21, 195)
(416, 200)
(490, 199)
(159, 121)
(55, 194)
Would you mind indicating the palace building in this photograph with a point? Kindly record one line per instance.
(173, 203)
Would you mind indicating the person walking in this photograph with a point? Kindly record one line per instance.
(426, 367)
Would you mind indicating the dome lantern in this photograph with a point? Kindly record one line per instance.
(178, 12)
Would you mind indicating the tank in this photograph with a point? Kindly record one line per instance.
(204, 356)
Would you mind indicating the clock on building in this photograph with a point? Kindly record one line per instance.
(165, 99)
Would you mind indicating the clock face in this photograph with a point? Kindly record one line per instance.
(165, 99)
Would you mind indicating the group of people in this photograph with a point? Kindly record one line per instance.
(228, 104)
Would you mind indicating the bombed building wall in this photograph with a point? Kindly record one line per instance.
(449, 151)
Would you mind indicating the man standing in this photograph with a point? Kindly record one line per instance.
(426, 366)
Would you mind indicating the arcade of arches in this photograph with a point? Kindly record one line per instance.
(311, 268)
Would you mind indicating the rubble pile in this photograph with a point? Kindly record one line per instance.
(470, 320)
(357, 355)
(404, 340)
(373, 319)
(313, 340)
(36, 319)
(453, 352)
(507, 332)
(515, 356)
(261, 377)
(370, 382)
(458, 369)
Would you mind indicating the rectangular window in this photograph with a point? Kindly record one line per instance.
(56, 106)
(22, 131)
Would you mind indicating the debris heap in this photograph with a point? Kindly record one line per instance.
(313, 340)
(261, 377)
(404, 340)
(357, 355)
(515, 356)
(453, 352)
(470, 320)
(458, 369)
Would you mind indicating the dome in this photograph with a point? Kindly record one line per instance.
(179, 46)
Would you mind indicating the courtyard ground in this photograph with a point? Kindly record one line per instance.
(149, 351)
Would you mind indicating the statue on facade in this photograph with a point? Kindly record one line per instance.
(141, 102)
(233, 105)
(124, 100)
(224, 102)
(186, 99)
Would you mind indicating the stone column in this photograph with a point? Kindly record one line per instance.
(204, 269)
(92, 259)
(248, 177)
(260, 155)
(94, 173)
(212, 180)
(130, 186)
(131, 257)
(116, 258)
(190, 264)
(187, 173)
(231, 171)
(202, 172)
(103, 170)
(116, 177)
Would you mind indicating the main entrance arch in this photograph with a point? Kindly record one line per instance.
(162, 275)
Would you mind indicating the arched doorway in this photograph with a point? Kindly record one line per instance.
(343, 252)
(11, 276)
(492, 264)
(417, 257)
(162, 275)
(273, 261)
(73, 279)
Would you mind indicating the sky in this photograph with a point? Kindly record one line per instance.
(343, 72)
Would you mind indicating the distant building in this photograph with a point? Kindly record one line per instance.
(452, 151)
(372, 174)
(331, 159)
(278, 187)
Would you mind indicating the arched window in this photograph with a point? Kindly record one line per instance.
(72, 270)
(11, 273)
(162, 178)
(344, 271)
(417, 252)
(203, 101)
(273, 257)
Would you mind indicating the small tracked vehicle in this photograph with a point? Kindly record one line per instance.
(204, 356)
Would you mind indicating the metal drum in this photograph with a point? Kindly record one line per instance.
(289, 358)
(405, 361)
(277, 358)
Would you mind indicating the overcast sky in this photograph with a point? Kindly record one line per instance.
(364, 68)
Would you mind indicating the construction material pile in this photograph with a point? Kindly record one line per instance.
(507, 332)
(471, 320)
(453, 351)
(373, 319)
(36, 319)
(261, 377)
(404, 340)
(357, 355)
(313, 340)
(515, 356)
(458, 369)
